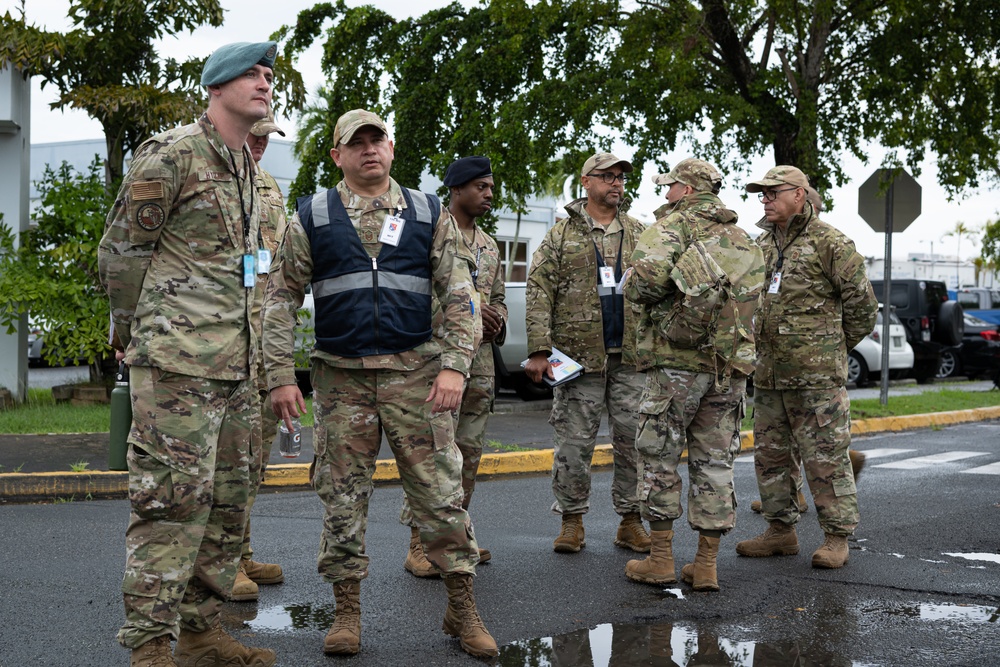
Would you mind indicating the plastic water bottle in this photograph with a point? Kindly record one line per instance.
(290, 441)
(121, 420)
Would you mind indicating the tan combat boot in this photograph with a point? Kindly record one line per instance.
(244, 589)
(701, 573)
(216, 647)
(658, 567)
(857, 462)
(461, 619)
(154, 653)
(344, 637)
(801, 499)
(833, 553)
(262, 573)
(778, 540)
(416, 562)
(632, 534)
(571, 536)
(485, 556)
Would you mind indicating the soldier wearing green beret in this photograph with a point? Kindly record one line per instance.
(178, 260)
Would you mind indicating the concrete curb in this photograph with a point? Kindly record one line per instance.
(70, 486)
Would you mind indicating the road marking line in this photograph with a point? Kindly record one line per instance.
(879, 453)
(991, 469)
(928, 461)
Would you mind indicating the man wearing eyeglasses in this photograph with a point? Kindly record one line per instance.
(818, 305)
(574, 303)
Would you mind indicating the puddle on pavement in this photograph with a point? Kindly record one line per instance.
(991, 558)
(285, 618)
(937, 612)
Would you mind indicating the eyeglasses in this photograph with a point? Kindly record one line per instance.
(771, 195)
(609, 178)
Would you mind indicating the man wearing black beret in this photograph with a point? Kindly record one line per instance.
(470, 183)
(179, 262)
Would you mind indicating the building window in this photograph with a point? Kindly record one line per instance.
(514, 258)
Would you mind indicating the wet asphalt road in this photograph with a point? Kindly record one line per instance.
(907, 596)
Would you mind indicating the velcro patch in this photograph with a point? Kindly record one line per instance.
(142, 190)
(150, 216)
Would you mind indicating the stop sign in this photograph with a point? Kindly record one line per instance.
(905, 199)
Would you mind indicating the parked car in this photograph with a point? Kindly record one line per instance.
(864, 362)
(931, 320)
(981, 302)
(507, 359)
(35, 342)
(978, 355)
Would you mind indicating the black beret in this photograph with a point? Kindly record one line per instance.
(229, 61)
(465, 169)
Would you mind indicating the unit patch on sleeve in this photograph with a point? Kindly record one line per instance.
(150, 216)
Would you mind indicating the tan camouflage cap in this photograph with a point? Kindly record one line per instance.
(699, 174)
(783, 174)
(604, 161)
(354, 120)
(265, 126)
(813, 198)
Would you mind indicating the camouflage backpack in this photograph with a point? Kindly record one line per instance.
(703, 294)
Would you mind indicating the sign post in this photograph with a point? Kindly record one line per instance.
(877, 204)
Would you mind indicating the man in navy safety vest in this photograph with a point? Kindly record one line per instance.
(376, 255)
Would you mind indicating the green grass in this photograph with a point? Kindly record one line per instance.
(496, 445)
(41, 414)
(941, 399)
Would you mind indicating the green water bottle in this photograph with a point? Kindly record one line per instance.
(121, 420)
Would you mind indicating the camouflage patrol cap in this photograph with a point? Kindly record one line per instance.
(700, 175)
(354, 120)
(229, 61)
(813, 198)
(266, 125)
(783, 174)
(604, 161)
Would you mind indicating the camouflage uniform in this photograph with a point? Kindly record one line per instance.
(690, 401)
(272, 230)
(563, 310)
(171, 260)
(824, 306)
(477, 399)
(356, 398)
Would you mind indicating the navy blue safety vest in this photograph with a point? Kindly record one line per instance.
(365, 305)
(612, 303)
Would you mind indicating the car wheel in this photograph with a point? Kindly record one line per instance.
(950, 324)
(949, 364)
(531, 391)
(857, 370)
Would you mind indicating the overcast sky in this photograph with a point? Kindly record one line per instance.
(245, 21)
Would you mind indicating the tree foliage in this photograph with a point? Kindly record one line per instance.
(538, 85)
(108, 67)
(52, 273)
(991, 243)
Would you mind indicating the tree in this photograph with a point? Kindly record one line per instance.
(53, 273)
(991, 243)
(108, 67)
(808, 80)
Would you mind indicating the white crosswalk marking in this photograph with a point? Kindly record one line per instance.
(927, 461)
(880, 453)
(991, 469)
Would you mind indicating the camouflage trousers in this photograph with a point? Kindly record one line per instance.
(470, 427)
(577, 409)
(265, 430)
(189, 463)
(352, 408)
(814, 426)
(682, 410)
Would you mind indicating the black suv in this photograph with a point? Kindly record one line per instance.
(932, 321)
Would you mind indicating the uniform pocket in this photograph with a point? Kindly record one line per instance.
(205, 213)
(654, 425)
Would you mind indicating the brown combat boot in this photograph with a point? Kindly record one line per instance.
(416, 562)
(658, 567)
(701, 573)
(244, 589)
(778, 540)
(485, 556)
(216, 647)
(344, 637)
(801, 500)
(833, 553)
(571, 535)
(857, 462)
(632, 534)
(154, 653)
(461, 619)
(262, 573)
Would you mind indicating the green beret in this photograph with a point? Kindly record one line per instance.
(229, 61)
